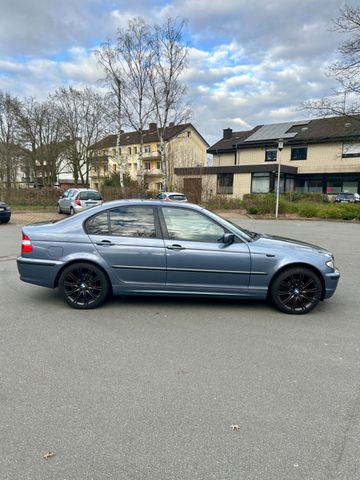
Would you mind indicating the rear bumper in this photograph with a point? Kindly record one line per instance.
(38, 272)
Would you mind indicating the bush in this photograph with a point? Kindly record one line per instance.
(265, 203)
(253, 210)
(307, 210)
(222, 202)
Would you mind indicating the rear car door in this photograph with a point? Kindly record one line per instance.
(130, 241)
(197, 258)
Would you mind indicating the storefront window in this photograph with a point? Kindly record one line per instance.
(260, 183)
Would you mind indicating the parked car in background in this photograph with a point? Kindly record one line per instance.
(76, 200)
(347, 197)
(171, 197)
(140, 247)
(5, 212)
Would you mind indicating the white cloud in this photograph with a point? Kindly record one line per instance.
(249, 62)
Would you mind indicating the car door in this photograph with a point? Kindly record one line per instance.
(197, 258)
(129, 239)
(66, 201)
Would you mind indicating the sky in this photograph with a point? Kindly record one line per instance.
(251, 62)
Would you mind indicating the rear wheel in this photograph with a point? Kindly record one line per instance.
(72, 211)
(59, 209)
(296, 290)
(84, 285)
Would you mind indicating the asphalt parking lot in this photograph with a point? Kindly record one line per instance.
(148, 388)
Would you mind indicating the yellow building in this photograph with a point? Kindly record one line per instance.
(183, 147)
(321, 155)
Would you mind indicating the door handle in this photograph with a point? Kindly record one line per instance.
(105, 243)
(175, 246)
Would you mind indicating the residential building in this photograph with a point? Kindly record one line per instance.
(183, 146)
(321, 155)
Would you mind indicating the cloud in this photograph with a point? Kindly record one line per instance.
(249, 62)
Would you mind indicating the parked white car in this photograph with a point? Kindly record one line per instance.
(76, 200)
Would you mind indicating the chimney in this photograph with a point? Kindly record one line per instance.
(227, 133)
(152, 127)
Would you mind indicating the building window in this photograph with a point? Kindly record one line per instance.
(351, 150)
(129, 150)
(147, 166)
(225, 183)
(158, 165)
(270, 155)
(147, 148)
(135, 150)
(298, 153)
(260, 182)
(115, 167)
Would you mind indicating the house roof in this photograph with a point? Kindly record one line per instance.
(150, 136)
(308, 131)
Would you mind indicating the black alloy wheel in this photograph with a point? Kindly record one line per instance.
(83, 285)
(296, 290)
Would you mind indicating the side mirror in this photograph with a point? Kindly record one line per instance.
(228, 238)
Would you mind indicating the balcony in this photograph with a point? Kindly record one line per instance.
(153, 173)
(151, 156)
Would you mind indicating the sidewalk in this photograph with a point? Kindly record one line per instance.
(26, 217)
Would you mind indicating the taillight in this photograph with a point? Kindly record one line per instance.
(26, 246)
(77, 201)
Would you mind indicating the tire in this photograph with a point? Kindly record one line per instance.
(72, 211)
(296, 290)
(7, 220)
(59, 209)
(84, 285)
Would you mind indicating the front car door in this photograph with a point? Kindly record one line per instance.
(197, 259)
(130, 241)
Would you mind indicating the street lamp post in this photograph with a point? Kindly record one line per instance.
(280, 147)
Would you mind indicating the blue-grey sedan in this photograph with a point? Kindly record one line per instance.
(151, 248)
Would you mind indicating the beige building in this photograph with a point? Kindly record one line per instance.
(321, 155)
(184, 147)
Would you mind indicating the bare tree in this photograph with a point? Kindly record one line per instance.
(345, 100)
(83, 113)
(42, 137)
(136, 56)
(168, 88)
(10, 153)
(114, 79)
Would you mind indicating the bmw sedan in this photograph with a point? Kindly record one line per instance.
(142, 247)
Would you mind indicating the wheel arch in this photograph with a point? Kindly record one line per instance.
(90, 262)
(295, 265)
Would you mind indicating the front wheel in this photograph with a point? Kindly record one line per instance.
(296, 290)
(59, 209)
(84, 285)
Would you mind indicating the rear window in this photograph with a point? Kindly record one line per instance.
(177, 197)
(89, 196)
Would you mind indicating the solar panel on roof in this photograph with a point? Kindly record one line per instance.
(275, 131)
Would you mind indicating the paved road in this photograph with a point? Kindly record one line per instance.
(148, 388)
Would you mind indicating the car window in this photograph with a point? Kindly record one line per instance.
(133, 221)
(89, 195)
(161, 196)
(98, 224)
(183, 224)
(177, 197)
(67, 193)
